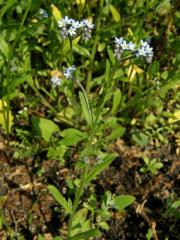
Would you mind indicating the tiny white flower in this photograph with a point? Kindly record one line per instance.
(131, 46)
(145, 50)
(87, 24)
(72, 31)
(61, 23)
(68, 20)
(77, 24)
(119, 41)
(56, 81)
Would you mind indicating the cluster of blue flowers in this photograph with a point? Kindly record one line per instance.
(67, 73)
(72, 28)
(144, 50)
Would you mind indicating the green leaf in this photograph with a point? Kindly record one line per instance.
(164, 7)
(153, 68)
(149, 234)
(56, 12)
(80, 4)
(18, 80)
(122, 201)
(79, 217)
(98, 168)
(140, 138)
(107, 73)
(72, 136)
(176, 45)
(176, 204)
(79, 222)
(87, 235)
(86, 109)
(115, 14)
(116, 101)
(111, 55)
(66, 46)
(116, 133)
(57, 152)
(59, 198)
(5, 114)
(5, 8)
(44, 127)
(4, 47)
(40, 237)
(175, 81)
(103, 225)
(57, 238)
(81, 50)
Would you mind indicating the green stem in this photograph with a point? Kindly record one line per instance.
(76, 201)
(94, 49)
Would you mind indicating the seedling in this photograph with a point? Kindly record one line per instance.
(151, 166)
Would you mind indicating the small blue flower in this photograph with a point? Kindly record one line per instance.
(68, 73)
(87, 24)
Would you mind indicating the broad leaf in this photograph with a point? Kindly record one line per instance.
(44, 127)
(72, 136)
(122, 201)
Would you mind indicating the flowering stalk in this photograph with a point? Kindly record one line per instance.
(94, 48)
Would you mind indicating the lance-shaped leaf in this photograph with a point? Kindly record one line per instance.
(98, 168)
(59, 198)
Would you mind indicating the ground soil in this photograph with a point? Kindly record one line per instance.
(28, 209)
